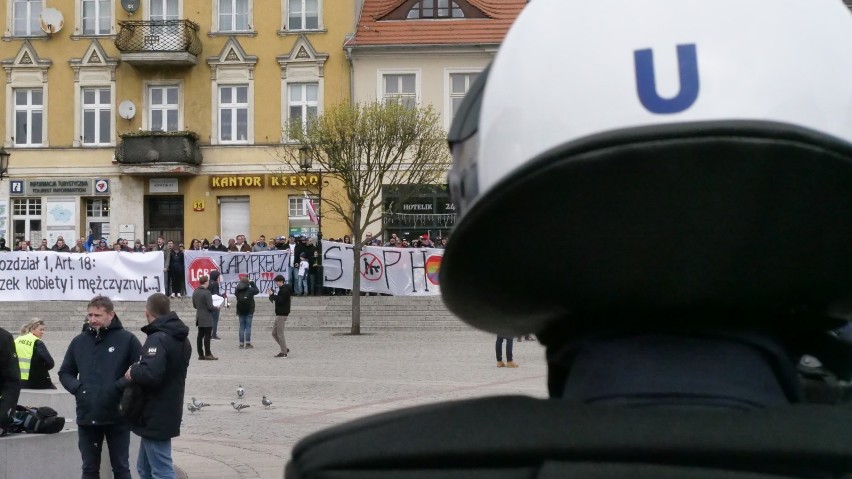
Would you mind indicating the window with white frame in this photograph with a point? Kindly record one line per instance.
(303, 103)
(299, 207)
(303, 14)
(97, 116)
(234, 15)
(163, 108)
(29, 116)
(233, 113)
(97, 17)
(25, 14)
(459, 85)
(400, 88)
(97, 208)
(435, 9)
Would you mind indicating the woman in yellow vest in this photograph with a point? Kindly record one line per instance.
(33, 358)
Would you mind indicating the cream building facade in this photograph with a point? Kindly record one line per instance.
(169, 119)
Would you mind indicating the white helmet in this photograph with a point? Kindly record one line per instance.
(656, 160)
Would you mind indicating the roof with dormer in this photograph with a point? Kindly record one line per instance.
(374, 29)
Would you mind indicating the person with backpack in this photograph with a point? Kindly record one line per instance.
(245, 293)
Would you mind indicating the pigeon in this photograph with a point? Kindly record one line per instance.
(192, 408)
(266, 402)
(239, 407)
(199, 404)
(240, 391)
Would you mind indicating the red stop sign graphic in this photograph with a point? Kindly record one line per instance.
(198, 268)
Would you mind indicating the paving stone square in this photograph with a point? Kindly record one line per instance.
(329, 378)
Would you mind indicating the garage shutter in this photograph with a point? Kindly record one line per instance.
(234, 217)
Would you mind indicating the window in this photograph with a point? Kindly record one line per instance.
(25, 14)
(459, 85)
(97, 116)
(163, 108)
(303, 103)
(303, 14)
(435, 9)
(233, 114)
(233, 15)
(401, 88)
(29, 116)
(97, 17)
(26, 220)
(299, 207)
(98, 208)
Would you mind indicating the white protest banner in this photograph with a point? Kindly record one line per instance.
(396, 271)
(261, 267)
(51, 276)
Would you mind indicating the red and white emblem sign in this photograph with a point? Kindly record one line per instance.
(101, 186)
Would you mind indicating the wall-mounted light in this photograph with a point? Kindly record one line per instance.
(4, 162)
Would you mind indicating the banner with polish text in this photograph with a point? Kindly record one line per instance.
(396, 271)
(51, 276)
(261, 267)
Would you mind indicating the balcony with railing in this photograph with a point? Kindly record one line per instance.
(159, 152)
(159, 42)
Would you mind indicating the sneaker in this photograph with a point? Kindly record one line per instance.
(241, 346)
(501, 364)
(210, 357)
(249, 346)
(178, 295)
(201, 358)
(281, 355)
(511, 364)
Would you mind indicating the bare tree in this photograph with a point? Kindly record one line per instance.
(367, 147)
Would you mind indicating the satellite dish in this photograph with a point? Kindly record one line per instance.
(51, 21)
(126, 109)
(130, 6)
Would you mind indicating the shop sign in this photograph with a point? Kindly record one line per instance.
(163, 185)
(236, 181)
(274, 181)
(55, 187)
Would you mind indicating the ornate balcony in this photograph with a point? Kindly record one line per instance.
(159, 42)
(155, 153)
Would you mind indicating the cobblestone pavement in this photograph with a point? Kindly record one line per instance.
(328, 379)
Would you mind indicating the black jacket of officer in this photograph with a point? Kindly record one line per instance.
(10, 378)
(161, 373)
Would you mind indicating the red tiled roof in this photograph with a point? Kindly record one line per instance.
(501, 14)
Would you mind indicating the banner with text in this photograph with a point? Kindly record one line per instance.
(396, 271)
(51, 276)
(261, 267)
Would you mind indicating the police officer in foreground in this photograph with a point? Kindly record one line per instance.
(10, 379)
(695, 161)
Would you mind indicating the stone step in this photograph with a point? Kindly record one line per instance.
(310, 312)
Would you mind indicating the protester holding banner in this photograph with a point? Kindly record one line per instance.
(245, 293)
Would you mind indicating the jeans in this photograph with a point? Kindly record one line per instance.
(292, 277)
(499, 348)
(215, 332)
(155, 459)
(203, 339)
(302, 285)
(91, 440)
(245, 327)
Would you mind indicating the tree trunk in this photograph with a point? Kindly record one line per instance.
(356, 276)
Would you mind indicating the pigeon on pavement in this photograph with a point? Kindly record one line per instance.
(239, 407)
(266, 402)
(240, 391)
(192, 408)
(199, 404)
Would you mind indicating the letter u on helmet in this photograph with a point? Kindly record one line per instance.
(668, 160)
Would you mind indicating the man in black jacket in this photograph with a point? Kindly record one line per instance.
(161, 374)
(93, 371)
(282, 310)
(10, 379)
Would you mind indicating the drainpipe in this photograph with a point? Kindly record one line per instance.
(348, 50)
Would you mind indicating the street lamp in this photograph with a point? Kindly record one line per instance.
(306, 164)
(4, 162)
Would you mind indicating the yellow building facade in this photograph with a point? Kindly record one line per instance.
(166, 118)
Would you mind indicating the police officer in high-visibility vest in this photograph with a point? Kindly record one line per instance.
(34, 359)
